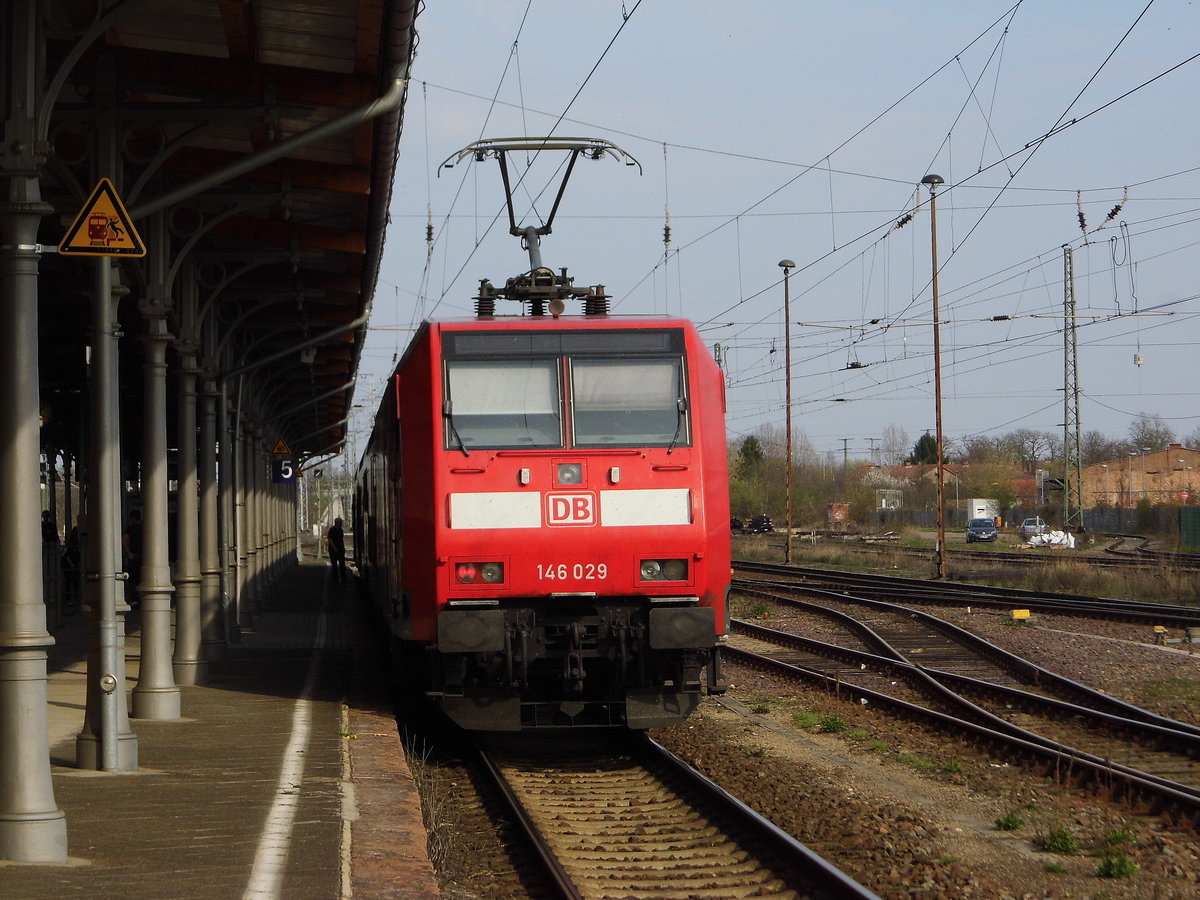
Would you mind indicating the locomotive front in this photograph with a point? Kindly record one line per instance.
(581, 505)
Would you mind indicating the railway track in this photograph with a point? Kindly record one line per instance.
(937, 644)
(917, 590)
(930, 669)
(1143, 553)
(1116, 555)
(620, 817)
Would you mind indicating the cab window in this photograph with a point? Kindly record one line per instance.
(502, 404)
(630, 403)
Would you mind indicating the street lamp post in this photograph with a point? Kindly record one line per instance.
(787, 265)
(933, 181)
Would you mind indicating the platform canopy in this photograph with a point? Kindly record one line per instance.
(253, 146)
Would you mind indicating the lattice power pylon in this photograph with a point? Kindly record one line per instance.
(1072, 464)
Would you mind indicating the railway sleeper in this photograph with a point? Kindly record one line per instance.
(654, 860)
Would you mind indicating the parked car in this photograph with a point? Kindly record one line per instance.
(761, 524)
(981, 530)
(1030, 527)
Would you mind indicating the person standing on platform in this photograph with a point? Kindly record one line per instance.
(49, 530)
(131, 546)
(336, 542)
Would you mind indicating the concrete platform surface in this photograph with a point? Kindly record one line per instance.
(284, 778)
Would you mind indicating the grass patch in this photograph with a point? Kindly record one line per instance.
(759, 547)
(879, 746)
(1010, 822)
(1055, 868)
(917, 762)
(857, 734)
(437, 798)
(1060, 840)
(760, 709)
(834, 554)
(832, 724)
(802, 718)
(1117, 866)
(760, 609)
(1120, 838)
(1177, 688)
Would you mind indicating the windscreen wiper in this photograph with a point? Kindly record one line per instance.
(680, 409)
(448, 412)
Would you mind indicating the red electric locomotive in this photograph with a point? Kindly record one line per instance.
(542, 513)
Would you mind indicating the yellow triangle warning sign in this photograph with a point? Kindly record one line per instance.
(103, 227)
(281, 449)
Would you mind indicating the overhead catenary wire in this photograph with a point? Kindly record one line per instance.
(1126, 193)
(1061, 122)
(1059, 127)
(1024, 294)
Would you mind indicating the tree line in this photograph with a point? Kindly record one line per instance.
(757, 464)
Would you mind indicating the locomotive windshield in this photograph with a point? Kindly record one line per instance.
(503, 403)
(620, 402)
(511, 390)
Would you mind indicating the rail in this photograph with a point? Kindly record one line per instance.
(622, 816)
(1169, 739)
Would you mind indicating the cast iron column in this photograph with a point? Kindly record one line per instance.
(32, 828)
(156, 696)
(241, 541)
(250, 605)
(227, 515)
(212, 618)
(106, 740)
(190, 666)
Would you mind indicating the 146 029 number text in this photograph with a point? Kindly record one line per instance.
(572, 571)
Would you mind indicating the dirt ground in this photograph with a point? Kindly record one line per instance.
(910, 813)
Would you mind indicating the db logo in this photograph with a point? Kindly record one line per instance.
(571, 509)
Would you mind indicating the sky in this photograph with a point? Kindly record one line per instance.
(780, 129)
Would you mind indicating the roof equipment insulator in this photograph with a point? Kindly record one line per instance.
(596, 302)
(485, 302)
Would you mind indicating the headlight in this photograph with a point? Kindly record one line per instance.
(674, 570)
(479, 572)
(568, 473)
(664, 570)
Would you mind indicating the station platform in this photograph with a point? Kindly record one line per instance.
(284, 778)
